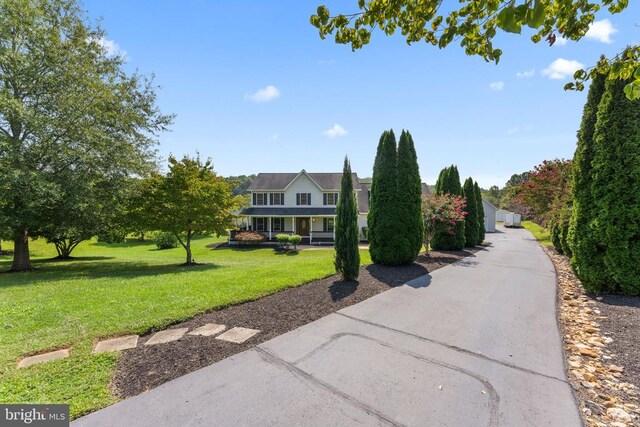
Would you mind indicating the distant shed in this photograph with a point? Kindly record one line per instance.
(489, 216)
(500, 215)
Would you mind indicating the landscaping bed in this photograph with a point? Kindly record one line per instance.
(600, 336)
(146, 367)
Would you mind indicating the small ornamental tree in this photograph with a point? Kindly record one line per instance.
(616, 189)
(480, 207)
(385, 239)
(440, 214)
(588, 256)
(409, 195)
(471, 232)
(192, 199)
(543, 185)
(449, 183)
(347, 260)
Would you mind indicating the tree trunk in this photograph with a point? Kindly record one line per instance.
(21, 259)
(188, 248)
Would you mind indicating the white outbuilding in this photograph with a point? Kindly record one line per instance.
(489, 216)
(501, 214)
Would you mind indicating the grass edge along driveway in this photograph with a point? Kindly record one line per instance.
(112, 290)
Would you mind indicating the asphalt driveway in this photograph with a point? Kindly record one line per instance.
(472, 344)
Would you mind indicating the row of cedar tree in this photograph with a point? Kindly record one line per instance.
(591, 204)
(401, 219)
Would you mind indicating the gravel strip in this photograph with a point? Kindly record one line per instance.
(603, 380)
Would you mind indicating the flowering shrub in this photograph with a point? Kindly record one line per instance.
(250, 237)
(440, 213)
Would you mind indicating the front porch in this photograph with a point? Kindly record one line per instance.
(312, 229)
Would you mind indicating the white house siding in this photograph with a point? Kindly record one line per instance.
(489, 216)
(362, 222)
(303, 184)
(500, 214)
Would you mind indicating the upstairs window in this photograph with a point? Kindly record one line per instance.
(277, 199)
(330, 199)
(259, 199)
(303, 199)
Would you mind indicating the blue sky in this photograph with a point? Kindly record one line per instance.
(256, 89)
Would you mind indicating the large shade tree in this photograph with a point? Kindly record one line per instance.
(65, 105)
(476, 23)
(192, 199)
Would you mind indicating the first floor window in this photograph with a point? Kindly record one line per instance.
(328, 224)
(260, 224)
(277, 224)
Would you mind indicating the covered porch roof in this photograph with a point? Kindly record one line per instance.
(284, 211)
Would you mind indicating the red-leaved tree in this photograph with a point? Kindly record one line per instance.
(440, 213)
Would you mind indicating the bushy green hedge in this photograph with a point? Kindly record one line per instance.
(471, 231)
(165, 241)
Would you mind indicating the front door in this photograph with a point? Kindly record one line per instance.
(302, 227)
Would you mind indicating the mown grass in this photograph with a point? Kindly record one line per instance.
(110, 290)
(540, 233)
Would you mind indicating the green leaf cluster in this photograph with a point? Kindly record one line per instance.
(347, 259)
(449, 183)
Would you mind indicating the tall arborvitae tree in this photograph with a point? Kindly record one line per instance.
(471, 232)
(615, 187)
(480, 207)
(409, 199)
(385, 243)
(449, 183)
(347, 260)
(588, 255)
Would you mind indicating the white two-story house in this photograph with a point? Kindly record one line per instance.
(301, 203)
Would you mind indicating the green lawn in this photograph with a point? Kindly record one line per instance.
(540, 233)
(119, 289)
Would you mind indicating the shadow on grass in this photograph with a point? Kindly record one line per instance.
(74, 259)
(98, 270)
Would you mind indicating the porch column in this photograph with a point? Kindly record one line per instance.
(293, 219)
(310, 229)
(269, 227)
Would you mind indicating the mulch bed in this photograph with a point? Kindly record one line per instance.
(143, 368)
(622, 324)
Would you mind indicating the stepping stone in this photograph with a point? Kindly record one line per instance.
(117, 344)
(41, 358)
(208, 330)
(237, 335)
(167, 335)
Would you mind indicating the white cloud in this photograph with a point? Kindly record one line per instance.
(562, 68)
(110, 47)
(560, 41)
(526, 74)
(496, 86)
(265, 94)
(335, 131)
(601, 31)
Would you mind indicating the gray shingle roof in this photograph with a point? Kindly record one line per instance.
(279, 181)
